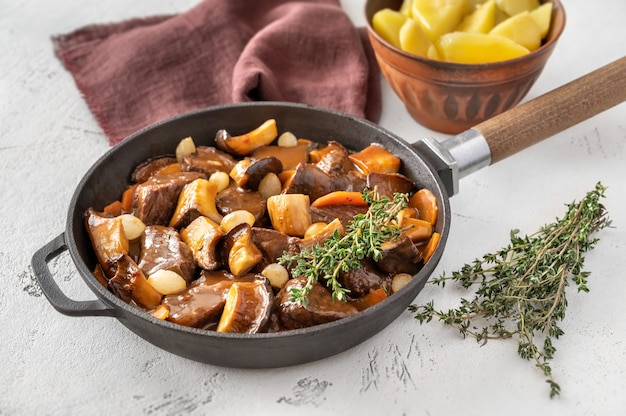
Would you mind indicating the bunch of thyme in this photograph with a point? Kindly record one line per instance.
(520, 290)
(363, 238)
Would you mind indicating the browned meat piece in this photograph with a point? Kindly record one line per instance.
(207, 159)
(345, 213)
(310, 180)
(234, 198)
(156, 198)
(365, 279)
(201, 305)
(143, 171)
(333, 159)
(321, 307)
(273, 244)
(400, 256)
(390, 183)
(130, 284)
(163, 249)
(352, 181)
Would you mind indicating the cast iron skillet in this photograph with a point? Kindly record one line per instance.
(431, 165)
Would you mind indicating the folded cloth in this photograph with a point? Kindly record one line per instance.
(141, 71)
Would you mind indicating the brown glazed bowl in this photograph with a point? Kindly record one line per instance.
(453, 97)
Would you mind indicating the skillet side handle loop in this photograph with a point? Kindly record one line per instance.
(51, 290)
(553, 112)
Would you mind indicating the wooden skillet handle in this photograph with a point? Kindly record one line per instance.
(553, 112)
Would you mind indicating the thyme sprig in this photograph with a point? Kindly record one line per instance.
(363, 238)
(520, 290)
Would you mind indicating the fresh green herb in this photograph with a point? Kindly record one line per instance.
(363, 238)
(521, 289)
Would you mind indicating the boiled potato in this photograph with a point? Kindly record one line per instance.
(513, 7)
(542, 16)
(444, 29)
(482, 20)
(521, 29)
(475, 48)
(438, 17)
(413, 39)
(387, 24)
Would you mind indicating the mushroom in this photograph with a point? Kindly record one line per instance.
(203, 236)
(107, 238)
(197, 198)
(240, 251)
(247, 309)
(130, 284)
(246, 143)
(248, 172)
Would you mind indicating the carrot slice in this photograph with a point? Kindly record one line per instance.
(114, 208)
(416, 229)
(340, 198)
(428, 249)
(127, 198)
(370, 299)
(426, 204)
(171, 168)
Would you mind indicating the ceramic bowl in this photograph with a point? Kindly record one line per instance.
(453, 97)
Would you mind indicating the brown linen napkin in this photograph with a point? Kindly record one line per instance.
(140, 71)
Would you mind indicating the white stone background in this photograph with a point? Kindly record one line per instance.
(57, 365)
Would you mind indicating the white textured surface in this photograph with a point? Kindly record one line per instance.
(54, 364)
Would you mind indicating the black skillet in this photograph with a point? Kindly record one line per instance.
(437, 166)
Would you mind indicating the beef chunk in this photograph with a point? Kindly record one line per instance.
(390, 183)
(365, 279)
(333, 159)
(345, 213)
(320, 308)
(156, 198)
(163, 249)
(400, 256)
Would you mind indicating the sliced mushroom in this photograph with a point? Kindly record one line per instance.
(247, 309)
(130, 284)
(240, 251)
(246, 143)
(203, 237)
(107, 238)
(196, 199)
(249, 172)
(143, 171)
(208, 160)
